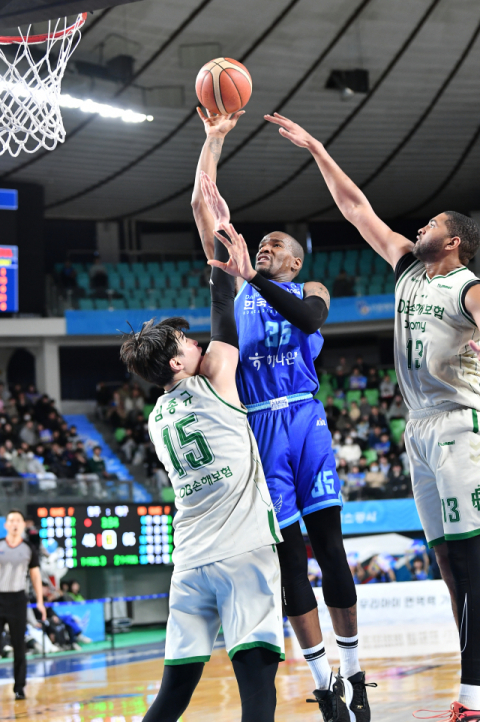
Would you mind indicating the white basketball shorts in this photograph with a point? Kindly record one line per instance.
(444, 453)
(241, 593)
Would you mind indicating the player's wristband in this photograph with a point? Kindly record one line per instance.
(308, 314)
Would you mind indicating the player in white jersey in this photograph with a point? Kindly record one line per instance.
(437, 360)
(226, 569)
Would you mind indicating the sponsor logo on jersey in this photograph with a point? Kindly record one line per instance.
(476, 498)
(278, 504)
(446, 443)
(441, 285)
(321, 422)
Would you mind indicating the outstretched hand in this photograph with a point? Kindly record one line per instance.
(291, 130)
(219, 124)
(239, 263)
(215, 203)
(475, 347)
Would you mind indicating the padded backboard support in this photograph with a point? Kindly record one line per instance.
(14, 13)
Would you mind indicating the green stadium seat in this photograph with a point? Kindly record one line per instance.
(147, 410)
(118, 304)
(123, 268)
(136, 301)
(370, 455)
(114, 281)
(321, 395)
(308, 261)
(144, 281)
(350, 265)
(199, 264)
(153, 267)
(303, 276)
(101, 304)
(371, 396)
(339, 403)
(393, 375)
(375, 289)
(169, 267)
(193, 281)
(380, 265)
(79, 267)
(183, 266)
(175, 280)
(389, 286)
(120, 434)
(397, 427)
(83, 280)
(353, 395)
(138, 268)
(184, 300)
(338, 255)
(109, 267)
(85, 304)
(129, 281)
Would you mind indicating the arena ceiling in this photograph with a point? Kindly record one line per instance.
(412, 140)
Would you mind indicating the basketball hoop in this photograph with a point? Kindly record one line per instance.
(30, 86)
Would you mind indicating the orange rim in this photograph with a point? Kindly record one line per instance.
(33, 39)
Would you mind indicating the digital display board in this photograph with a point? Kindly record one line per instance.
(9, 279)
(8, 199)
(101, 535)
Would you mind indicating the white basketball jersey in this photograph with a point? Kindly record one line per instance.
(433, 360)
(211, 456)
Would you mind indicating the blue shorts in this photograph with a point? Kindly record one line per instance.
(295, 446)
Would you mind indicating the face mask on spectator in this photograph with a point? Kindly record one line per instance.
(337, 436)
(349, 441)
(374, 468)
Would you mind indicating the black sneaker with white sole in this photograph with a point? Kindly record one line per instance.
(359, 704)
(335, 701)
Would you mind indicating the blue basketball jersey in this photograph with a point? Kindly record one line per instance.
(276, 358)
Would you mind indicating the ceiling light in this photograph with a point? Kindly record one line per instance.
(102, 109)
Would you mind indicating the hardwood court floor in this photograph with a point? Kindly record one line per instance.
(98, 691)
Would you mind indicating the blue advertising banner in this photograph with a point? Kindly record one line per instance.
(375, 517)
(3, 531)
(112, 323)
(89, 617)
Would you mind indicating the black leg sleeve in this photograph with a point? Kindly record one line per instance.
(297, 593)
(464, 556)
(255, 670)
(17, 623)
(325, 532)
(178, 685)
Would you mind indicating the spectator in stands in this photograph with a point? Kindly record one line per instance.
(134, 403)
(4, 392)
(332, 413)
(116, 413)
(98, 275)
(341, 373)
(398, 484)
(75, 591)
(375, 481)
(354, 412)
(387, 388)
(350, 451)
(379, 571)
(398, 409)
(343, 285)
(68, 275)
(28, 433)
(363, 430)
(373, 380)
(383, 445)
(32, 394)
(376, 418)
(361, 366)
(419, 567)
(355, 483)
(342, 470)
(374, 436)
(344, 423)
(364, 406)
(357, 381)
(384, 464)
(96, 465)
(72, 434)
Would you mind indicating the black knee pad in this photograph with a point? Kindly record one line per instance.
(297, 593)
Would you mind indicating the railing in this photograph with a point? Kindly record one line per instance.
(24, 490)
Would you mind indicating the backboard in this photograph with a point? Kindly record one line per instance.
(14, 13)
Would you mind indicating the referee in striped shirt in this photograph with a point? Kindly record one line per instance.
(16, 558)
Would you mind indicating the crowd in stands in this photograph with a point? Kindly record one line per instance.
(367, 417)
(37, 443)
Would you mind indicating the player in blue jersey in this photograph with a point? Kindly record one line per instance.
(278, 323)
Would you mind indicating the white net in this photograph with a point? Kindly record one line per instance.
(31, 72)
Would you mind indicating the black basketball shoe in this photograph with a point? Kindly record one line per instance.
(359, 704)
(335, 701)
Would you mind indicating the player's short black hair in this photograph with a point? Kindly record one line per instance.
(295, 247)
(16, 511)
(148, 352)
(467, 230)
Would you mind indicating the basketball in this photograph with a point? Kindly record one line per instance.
(223, 86)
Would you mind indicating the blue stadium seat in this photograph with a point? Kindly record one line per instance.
(169, 267)
(114, 281)
(138, 268)
(175, 280)
(129, 281)
(144, 281)
(153, 267)
(118, 304)
(183, 266)
(123, 268)
(101, 304)
(85, 304)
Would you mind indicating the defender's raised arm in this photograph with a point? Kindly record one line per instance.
(350, 200)
(216, 128)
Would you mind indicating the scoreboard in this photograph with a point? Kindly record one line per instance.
(101, 535)
(9, 279)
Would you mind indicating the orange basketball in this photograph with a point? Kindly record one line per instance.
(223, 86)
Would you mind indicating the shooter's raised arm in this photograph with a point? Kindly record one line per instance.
(351, 202)
(216, 128)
